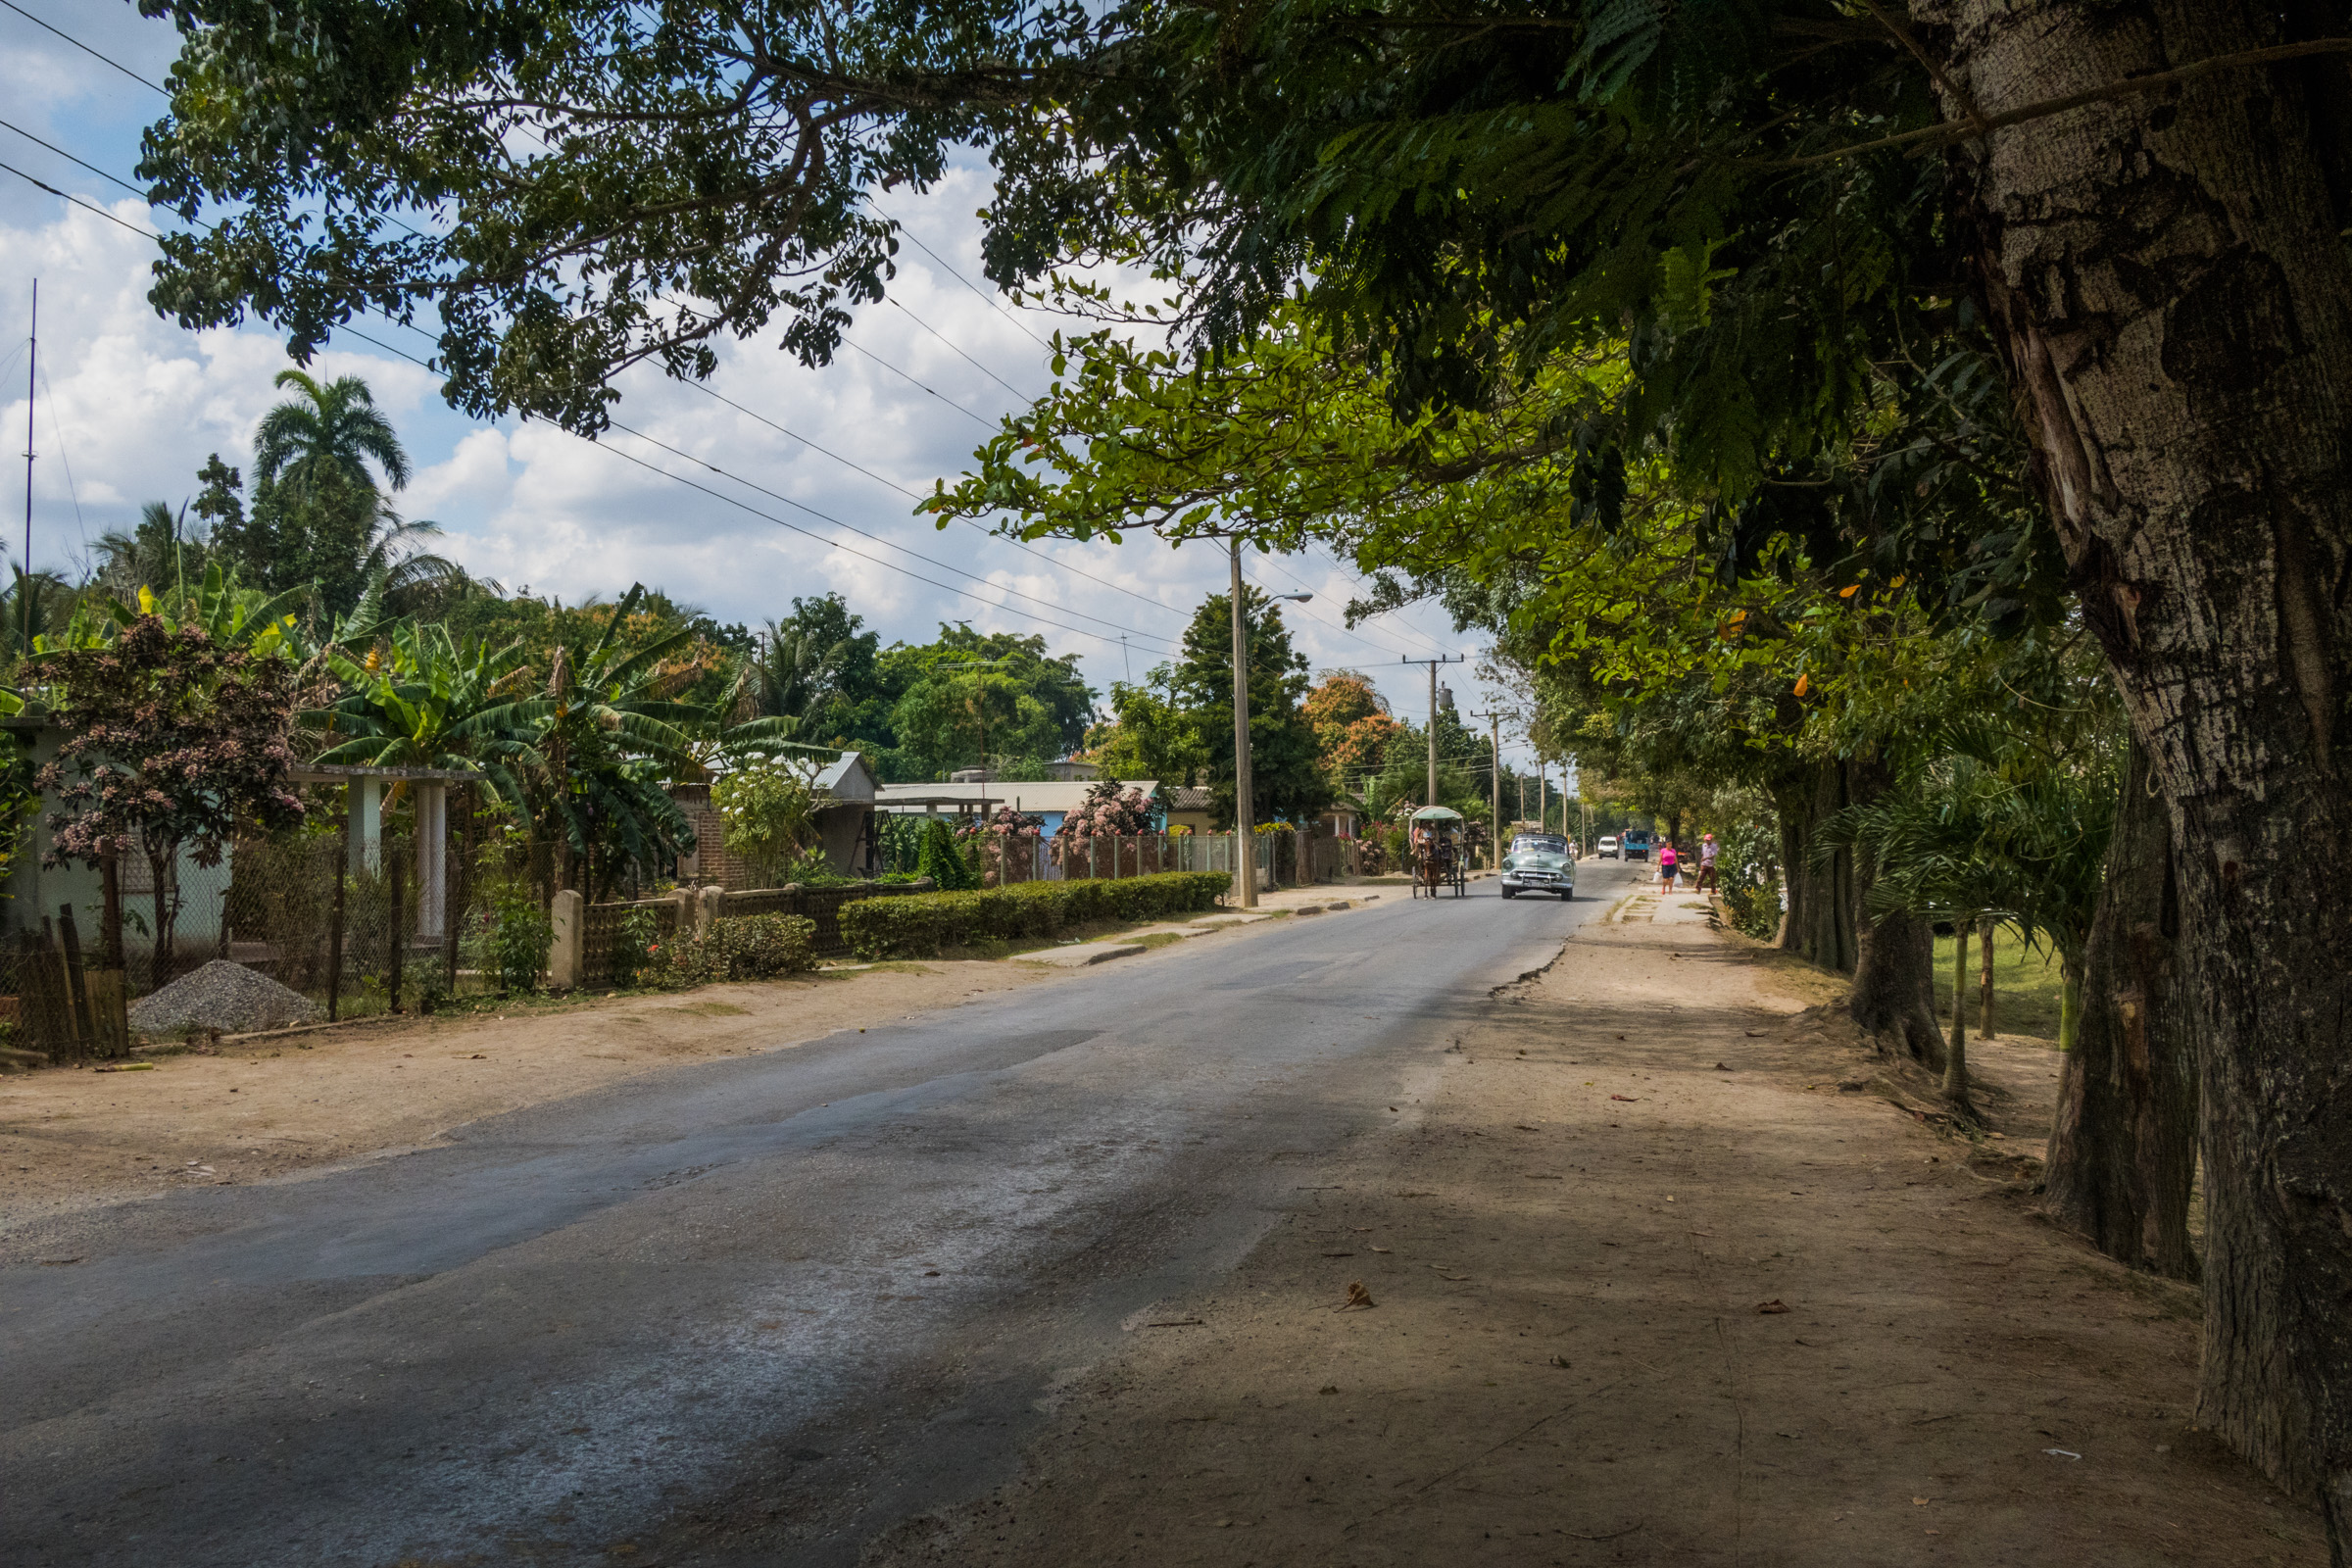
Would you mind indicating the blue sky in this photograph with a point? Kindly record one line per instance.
(132, 405)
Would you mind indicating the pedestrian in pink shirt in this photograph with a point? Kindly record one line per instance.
(1666, 865)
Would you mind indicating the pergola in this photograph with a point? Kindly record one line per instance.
(364, 832)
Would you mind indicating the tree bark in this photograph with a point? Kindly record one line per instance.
(1893, 998)
(2122, 1150)
(1986, 931)
(2166, 273)
(1955, 1055)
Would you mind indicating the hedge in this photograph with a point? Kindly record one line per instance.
(743, 947)
(920, 926)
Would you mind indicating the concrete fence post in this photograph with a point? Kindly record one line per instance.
(687, 922)
(712, 903)
(566, 954)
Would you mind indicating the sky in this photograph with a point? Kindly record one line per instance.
(129, 405)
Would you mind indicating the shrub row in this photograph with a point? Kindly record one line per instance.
(920, 925)
(743, 947)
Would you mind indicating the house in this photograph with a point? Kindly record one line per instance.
(214, 913)
(965, 801)
(1190, 808)
(845, 790)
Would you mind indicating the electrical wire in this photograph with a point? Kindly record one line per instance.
(949, 269)
(976, 418)
(1305, 614)
(745, 505)
(707, 391)
(917, 495)
(83, 47)
(958, 353)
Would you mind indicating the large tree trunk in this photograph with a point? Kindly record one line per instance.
(1894, 979)
(1819, 893)
(2123, 1150)
(2167, 273)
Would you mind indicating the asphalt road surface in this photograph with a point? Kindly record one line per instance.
(752, 1310)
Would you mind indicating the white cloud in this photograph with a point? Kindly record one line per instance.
(135, 405)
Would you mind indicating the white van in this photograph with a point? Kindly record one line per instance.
(1608, 846)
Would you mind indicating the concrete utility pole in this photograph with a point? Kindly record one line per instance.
(1245, 863)
(1446, 659)
(1245, 830)
(32, 355)
(1494, 774)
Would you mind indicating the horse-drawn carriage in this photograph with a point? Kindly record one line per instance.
(1441, 857)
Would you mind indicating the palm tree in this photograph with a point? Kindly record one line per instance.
(321, 515)
(327, 437)
(793, 673)
(159, 554)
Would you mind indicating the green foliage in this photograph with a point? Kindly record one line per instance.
(520, 939)
(922, 924)
(1756, 907)
(747, 947)
(901, 837)
(1153, 735)
(770, 812)
(943, 861)
(967, 688)
(1286, 773)
(637, 947)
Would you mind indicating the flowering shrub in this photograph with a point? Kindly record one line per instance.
(1107, 810)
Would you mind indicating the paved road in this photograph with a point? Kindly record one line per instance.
(752, 1310)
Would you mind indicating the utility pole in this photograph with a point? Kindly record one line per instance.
(32, 354)
(1494, 774)
(1245, 859)
(1444, 659)
(1245, 830)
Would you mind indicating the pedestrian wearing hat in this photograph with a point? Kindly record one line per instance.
(1706, 862)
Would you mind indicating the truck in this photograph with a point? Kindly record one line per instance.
(1634, 842)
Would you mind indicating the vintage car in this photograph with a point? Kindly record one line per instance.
(1539, 862)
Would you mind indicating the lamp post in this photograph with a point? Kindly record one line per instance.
(1245, 830)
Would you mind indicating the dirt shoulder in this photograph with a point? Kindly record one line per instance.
(73, 1139)
(1662, 1272)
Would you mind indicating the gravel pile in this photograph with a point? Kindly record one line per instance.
(222, 996)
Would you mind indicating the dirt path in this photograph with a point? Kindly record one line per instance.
(273, 1108)
(1579, 1240)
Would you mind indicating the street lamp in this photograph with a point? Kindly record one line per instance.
(1244, 829)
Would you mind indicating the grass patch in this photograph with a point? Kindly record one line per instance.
(2026, 986)
(1159, 938)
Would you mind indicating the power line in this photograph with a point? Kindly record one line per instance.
(860, 532)
(978, 419)
(68, 196)
(71, 158)
(83, 47)
(700, 387)
(794, 527)
(951, 270)
(917, 495)
(967, 358)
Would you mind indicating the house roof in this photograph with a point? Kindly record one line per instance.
(1190, 797)
(847, 779)
(1038, 797)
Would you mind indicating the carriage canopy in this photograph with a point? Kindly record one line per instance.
(1437, 816)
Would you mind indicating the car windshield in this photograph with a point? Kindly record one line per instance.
(1544, 844)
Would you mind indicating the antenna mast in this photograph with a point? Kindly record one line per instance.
(24, 569)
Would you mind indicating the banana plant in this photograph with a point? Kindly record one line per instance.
(419, 699)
